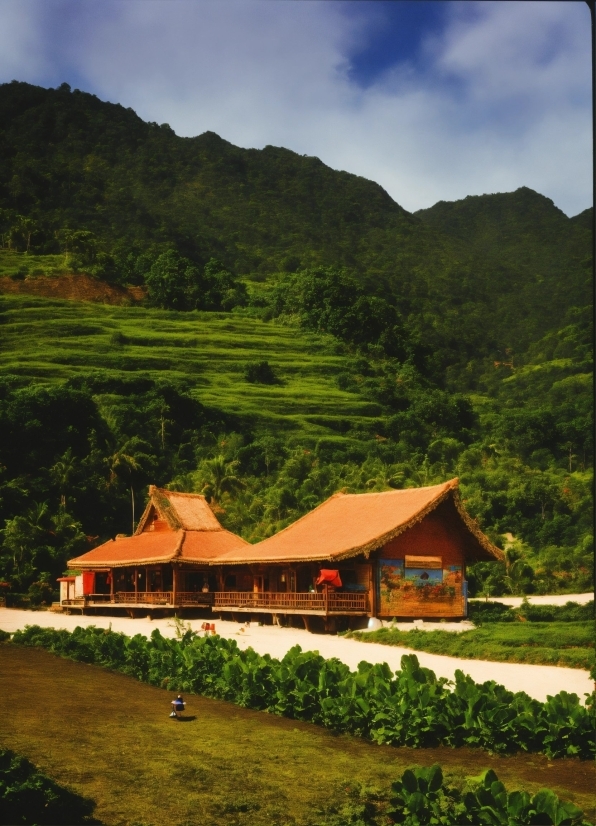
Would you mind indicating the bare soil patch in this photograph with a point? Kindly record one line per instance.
(73, 288)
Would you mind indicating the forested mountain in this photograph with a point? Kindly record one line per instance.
(302, 333)
(467, 280)
(524, 233)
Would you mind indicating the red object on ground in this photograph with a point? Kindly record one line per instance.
(329, 577)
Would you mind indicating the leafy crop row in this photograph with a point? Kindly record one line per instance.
(27, 796)
(409, 708)
(423, 797)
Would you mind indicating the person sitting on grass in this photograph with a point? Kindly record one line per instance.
(178, 704)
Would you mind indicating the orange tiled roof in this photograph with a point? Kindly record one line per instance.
(349, 524)
(148, 547)
(210, 545)
(164, 546)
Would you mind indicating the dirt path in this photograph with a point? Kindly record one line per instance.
(536, 680)
(109, 737)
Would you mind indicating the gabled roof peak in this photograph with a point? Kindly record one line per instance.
(181, 511)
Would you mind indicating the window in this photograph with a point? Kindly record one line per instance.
(424, 570)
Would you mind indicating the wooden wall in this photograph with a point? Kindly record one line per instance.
(438, 535)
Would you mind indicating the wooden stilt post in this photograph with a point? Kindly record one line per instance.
(112, 574)
(174, 584)
(136, 585)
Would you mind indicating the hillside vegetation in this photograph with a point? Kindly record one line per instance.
(301, 333)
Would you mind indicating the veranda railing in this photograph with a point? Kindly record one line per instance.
(277, 601)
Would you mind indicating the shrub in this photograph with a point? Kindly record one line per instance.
(40, 593)
(260, 372)
(29, 797)
(570, 612)
(480, 612)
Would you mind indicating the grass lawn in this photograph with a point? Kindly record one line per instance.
(48, 341)
(109, 737)
(568, 644)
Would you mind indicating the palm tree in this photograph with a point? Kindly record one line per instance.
(122, 465)
(219, 479)
(61, 473)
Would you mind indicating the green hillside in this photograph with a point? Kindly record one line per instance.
(72, 160)
(301, 334)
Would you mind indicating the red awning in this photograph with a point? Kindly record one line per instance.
(327, 577)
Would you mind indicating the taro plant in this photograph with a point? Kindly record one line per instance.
(421, 797)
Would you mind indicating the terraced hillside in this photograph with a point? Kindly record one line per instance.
(51, 341)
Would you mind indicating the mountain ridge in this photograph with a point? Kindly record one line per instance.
(473, 277)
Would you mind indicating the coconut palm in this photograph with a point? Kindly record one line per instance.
(219, 478)
(62, 473)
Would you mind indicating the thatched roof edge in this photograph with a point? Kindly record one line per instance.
(474, 529)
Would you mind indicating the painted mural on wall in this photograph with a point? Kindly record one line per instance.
(403, 588)
(391, 581)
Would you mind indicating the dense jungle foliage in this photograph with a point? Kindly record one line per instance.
(409, 708)
(307, 335)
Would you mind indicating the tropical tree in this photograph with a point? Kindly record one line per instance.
(172, 281)
(21, 231)
(219, 478)
(129, 464)
(62, 472)
(81, 242)
(21, 538)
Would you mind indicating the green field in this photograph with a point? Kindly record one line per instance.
(108, 737)
(50, 341)
(18, 264)
(568, 644)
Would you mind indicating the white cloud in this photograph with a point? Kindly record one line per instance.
(503, 99)
(21, 42)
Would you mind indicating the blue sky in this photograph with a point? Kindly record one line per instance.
(433, 99)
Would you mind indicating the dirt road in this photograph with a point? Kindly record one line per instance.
(536, 680)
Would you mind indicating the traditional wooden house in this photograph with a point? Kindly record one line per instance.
(400, 553)
(163, 566)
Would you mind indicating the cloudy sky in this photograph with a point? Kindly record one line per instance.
(433, 99)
